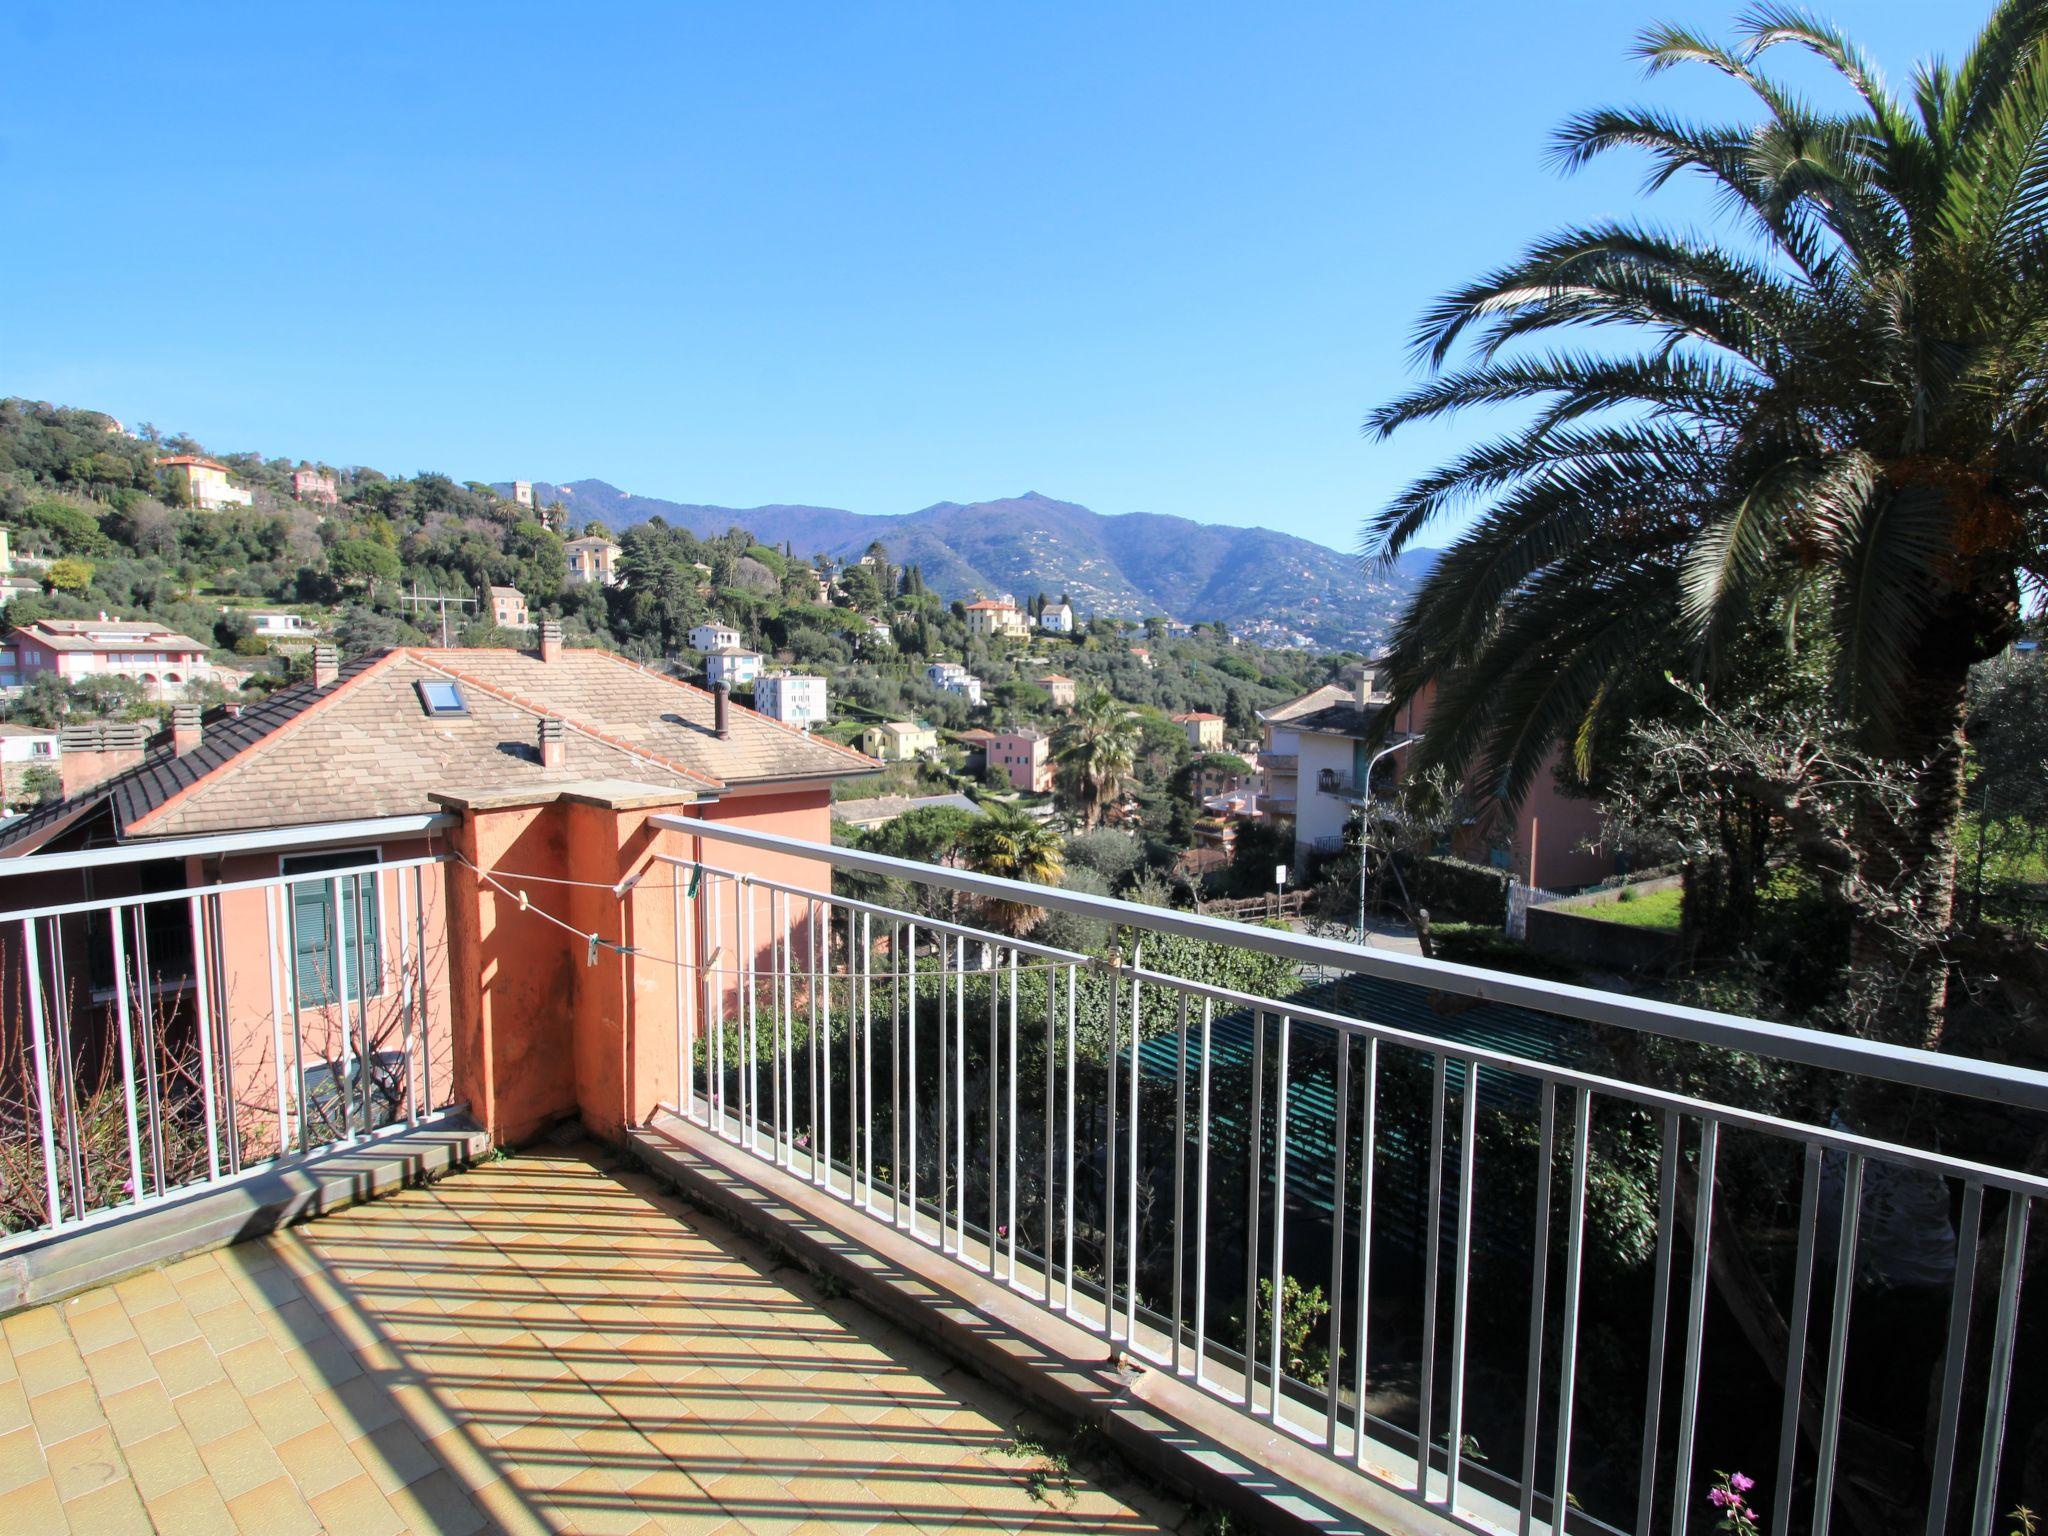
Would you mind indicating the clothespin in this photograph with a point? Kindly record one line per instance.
(522, 898)
(591, 957)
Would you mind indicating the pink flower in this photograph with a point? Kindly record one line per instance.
(1720, 1498)
(1741, 1484)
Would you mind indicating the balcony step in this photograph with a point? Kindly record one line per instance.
(106, 1249)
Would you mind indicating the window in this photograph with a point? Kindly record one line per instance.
(313, 928)
(438, 696)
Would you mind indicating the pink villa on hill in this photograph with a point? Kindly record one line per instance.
(160, 659)
(1024, 754)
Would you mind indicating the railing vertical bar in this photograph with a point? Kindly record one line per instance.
(1180, 1167)
(1276, 1361)
(1131, 1172)
(867, 1051)
(821, 1156)
(1332, 1409)
(1368, 1116)
(748, 973)
(960, 1096)
(897, 955)
(196, 912)
(715, 967)
(1461, 1277)
(991, 1068)
(60, 1020)
(419, 924)
(1574, 1255)
(1539, 1281)
(814, 973)
(1838, 1345)
(1961, 1295)
(945, 1087)
(1795, 1339)
(287, 897)
(1051, 1129)
(1992, 1444)
(1695, 1325)
(45, 1113)
(856, 1099)
(1202, 1197)
(684, 1088)
(116, 918)
(415, 1091)
(1070, 1144)
(275, 974)
(1660, 1319)
(782, 1046)
(1251, 1225)
(337, 963)
(146, 1043)
(1110, 1159)
(909, 967)
(1012, 1208)
(1432, 1274)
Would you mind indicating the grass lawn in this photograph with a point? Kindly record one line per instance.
(1659, 909)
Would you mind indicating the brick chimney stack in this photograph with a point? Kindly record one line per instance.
(550, 641)
(554, 743)
(722, 714)
(90, 753)
(326, 666)
(185, 731)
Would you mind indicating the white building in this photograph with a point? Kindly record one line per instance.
(23, 747)
(1057, 618)
(791, 698)
(279, 626)
(714, 637)
(733, 666)
(951, 677)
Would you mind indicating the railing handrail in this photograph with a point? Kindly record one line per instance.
(185, 893)
(2021, 1087)
(314, 834)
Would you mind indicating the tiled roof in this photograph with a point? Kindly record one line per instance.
(1352, 719)
(889, 807)
(363, 747)
(1308, 703)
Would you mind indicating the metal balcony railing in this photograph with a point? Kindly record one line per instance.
(1526, 1253)
(156, 1042)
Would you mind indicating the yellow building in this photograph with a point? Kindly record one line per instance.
(899, 741)
(996, 619)
(204, 482)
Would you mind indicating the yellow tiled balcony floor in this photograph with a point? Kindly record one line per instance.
(539, 1344)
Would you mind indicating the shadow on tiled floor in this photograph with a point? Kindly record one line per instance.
(540, 1344)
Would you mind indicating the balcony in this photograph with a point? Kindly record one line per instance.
(869, 1202)
(1280, 765)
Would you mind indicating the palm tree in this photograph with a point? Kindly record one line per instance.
(1013, 846)
(1094, 753)
(1836, 405)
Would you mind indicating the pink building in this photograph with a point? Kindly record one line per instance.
(314, 485)
(1024, 756)
(161, 659)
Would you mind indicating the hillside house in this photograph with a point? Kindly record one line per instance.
(508, 608)
(315, 485)
(276, 624)
(522, 493)
(1143, 655)
(1023, 755)
(161, 659)
(877, 635)
(203, 482)
(713, 636)
(792, 698)
(951, 677)
(899, 741)
(732, 666)
(1205, 730)
(996, 619)
(1057, 618)
(593, 561)
(1060, 688)
(23, 747)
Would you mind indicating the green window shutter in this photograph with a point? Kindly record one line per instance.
(313, 941)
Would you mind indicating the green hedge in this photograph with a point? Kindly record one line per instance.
(1456, 890)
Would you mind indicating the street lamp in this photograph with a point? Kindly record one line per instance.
(1365, 821)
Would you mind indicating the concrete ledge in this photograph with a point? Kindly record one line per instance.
(70, 1261)
(1194, 1444)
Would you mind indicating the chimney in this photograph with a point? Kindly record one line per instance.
(1364, 687)
(326, 665)
(722, 715)
(90, 753)
(185, 732)
(554, 743)
(550, 641)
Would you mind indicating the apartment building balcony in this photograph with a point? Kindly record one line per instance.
(838, 1205)
(1280, 765)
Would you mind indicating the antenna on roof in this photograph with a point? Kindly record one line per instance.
(416, 600)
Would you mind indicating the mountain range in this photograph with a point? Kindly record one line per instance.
(1265, 585)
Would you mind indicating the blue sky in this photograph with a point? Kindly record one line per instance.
(1156, 258)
